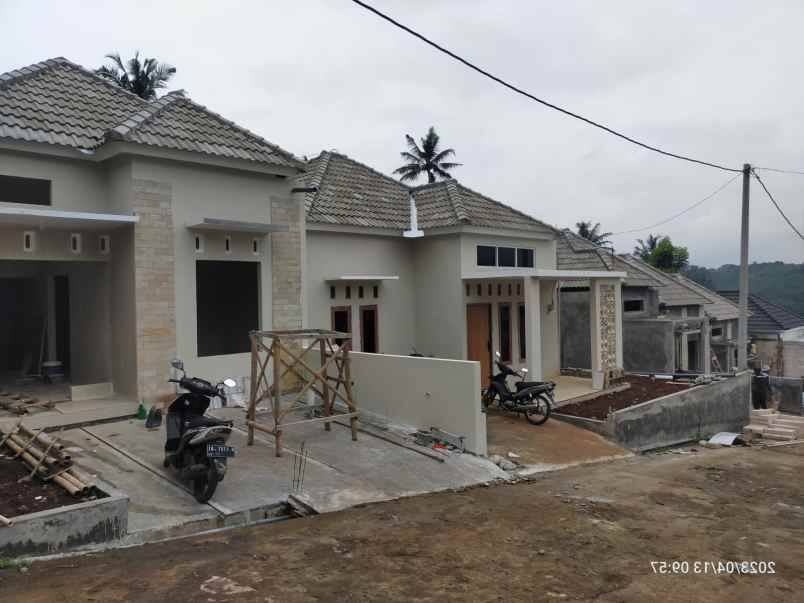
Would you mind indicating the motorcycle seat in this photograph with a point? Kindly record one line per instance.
(543, 385)
(205, 421)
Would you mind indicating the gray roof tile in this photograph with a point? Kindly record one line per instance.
(765, 316)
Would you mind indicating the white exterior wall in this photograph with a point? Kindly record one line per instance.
(208, 192)
(330, 254)
(544, 251)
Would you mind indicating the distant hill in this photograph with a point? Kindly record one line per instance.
(780, 283)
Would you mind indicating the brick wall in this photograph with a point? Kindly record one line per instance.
(155, 299)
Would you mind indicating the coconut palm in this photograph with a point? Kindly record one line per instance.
(592, 233)
(143, 78)
(644, 248)
(427, 158)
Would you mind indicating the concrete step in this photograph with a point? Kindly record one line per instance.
(774, 433)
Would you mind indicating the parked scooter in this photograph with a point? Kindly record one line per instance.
(533, 398)
(196, 444)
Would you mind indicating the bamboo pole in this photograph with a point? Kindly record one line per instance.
(31, 460)
(327, 425)
(252, 404)
(6, 521)
(276, 346)
(347, 361)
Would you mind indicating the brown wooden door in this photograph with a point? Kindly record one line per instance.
(478, 335)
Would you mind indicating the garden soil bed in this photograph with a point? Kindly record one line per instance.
(642, 389)
(20, 498)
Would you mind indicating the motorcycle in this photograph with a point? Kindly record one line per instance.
(533, 398)
(195, 443)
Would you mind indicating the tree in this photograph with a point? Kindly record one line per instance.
(427, 158)
(668, 257)
(644, 248)
(143, 78)
(592, 233)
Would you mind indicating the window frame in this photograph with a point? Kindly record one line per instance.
(494, 253)
(527, 252)
(9, 180)
(641, 303)
(506, 250)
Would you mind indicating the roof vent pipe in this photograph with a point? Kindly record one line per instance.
(413, 232)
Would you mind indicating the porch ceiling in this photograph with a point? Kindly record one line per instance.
(545, 273)
(53, 218)
(361, 277)
(219, 224)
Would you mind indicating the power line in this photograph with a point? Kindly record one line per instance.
(501, 81)
(682, 212)
(767, 169)
(786, 219)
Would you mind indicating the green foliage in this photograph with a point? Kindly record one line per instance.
(668, 257)
(592, 233)
(778, 282)
(143, 78)
(427, 158)
(644, 248)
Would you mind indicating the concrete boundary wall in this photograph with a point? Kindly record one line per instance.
(63, 528)
(688, 415)
(421, 393)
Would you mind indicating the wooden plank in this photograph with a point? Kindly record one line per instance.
(276, 351)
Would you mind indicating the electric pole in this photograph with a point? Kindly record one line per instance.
(742, 327)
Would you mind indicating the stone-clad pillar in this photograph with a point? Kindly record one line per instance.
(155, 297)
(606, 326)
(286, 263)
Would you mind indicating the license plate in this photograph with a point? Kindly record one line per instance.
(219, 451)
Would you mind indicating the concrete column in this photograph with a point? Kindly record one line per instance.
(706, 344)
(594, 326)
(50, 291)
(533, 327)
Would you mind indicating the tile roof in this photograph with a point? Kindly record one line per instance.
(719, 307)
(672, 292)
(353, 194)
(61, 103)
(766, 317)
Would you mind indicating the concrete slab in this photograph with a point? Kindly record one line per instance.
(553, 445)
(75, 414)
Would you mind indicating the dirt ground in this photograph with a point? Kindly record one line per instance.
(642, 389)
(19, 498)
(582, 534)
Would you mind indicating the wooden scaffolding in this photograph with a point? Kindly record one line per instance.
(285, 353)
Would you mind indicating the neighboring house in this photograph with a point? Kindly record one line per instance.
(777, 334)
(669, 321)
(135, 231)
(482, 278)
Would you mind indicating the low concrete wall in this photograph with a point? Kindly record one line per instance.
(787, 391)
(56, 530)
(648, 345)
(421, 393)
(689, 415)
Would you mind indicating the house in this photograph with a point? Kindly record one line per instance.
(135, 231)
(776, 333)
(482, 277)
(669, 321)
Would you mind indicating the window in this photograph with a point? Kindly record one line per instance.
(332, 292)
(519, 288)
(348, 293)
(505, 332)
(523, 348)
(509, 289)
(486, 256)
(468, 289)
(368, 329)
(33, 191)
(489, 290)
(506, 257)
(499, 290)
(29, 241)
(75, 243)
(103, 244)
(479, 289)
(227, 244)
(717, 331)
(199, 244)
(225, 319)
(360, 291)
(255, 246)
(341, 322)
(524, 258)
(633, 305)
(376, 292)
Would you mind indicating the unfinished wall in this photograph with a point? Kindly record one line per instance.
(90, 323)
(648, 345)
(576, 342)
(550, 334)
(794, 359)
(421, 393)
(787, 391)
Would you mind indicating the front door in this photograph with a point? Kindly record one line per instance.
(478, 335)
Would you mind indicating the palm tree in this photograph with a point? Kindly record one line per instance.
(143, 78)
(427, 158)
(646, 247)
(592, 233)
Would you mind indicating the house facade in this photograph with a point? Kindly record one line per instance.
(135, 231)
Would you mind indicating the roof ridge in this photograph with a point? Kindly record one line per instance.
(123, 130)
(15, 75)
(456, 200)
(287, 154)
(508, 207)
(371, 169)
(318, 177)
(708, 291)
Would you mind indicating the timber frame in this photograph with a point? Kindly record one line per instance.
(286, 351)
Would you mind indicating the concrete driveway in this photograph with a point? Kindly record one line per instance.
(554, 445)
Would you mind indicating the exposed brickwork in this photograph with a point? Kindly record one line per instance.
(154, 262)
(286, 260)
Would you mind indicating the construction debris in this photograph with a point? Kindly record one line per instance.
(22, 404)
(768, 424)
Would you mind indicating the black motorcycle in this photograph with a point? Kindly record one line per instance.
(196, 444)
(533, 398)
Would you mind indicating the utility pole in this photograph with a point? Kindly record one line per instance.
(742, 328)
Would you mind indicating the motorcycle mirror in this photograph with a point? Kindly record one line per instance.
(229, 382)
(497, 354)
(177, 364)
(524, 370)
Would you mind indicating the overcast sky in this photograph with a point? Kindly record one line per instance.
(721, 81)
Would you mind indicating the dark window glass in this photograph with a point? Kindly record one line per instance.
(332, 292)
(228, 244)
(717, 332)
(519, 288)
(633, 305)
(499, 290)
(360, 291)
(225, 320)
(486, 256)
(348, 293)
(376, 291)
(479, 289)
(506, 256)
(468, 290)
(368, 329)
(505, 332)
(341, 322)
(524, 258)
(489, 289)
(522, 341)
(33, 191)
(509, 289)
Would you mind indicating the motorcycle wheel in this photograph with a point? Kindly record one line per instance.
(204, 487)
(487, 399)
(538, 416)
